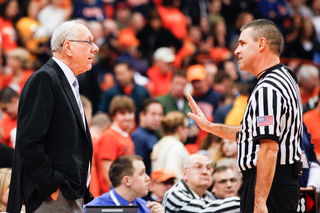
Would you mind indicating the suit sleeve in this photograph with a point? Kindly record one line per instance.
(34, 117)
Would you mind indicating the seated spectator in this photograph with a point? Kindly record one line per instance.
(19, 69)
(8, 12)
(52, 15)
(206, 98)
(173, 19)
(310, 164)
(176, 100)
(89, 10)
(5, 177)
(235, 115)
(170, 152)
(226, 182)
(100, 122)
(161, 181)
(33, 36)
(130, 181)
(190, 195)
(9, 101)
(115, 141)
(228, 149)
(308, 80)
(161, 72)
(145, 136)
(128, 44)
(209, 145)
(126, 86)
(204, 95)
(87, 108)
(312, 121)
(154, 36)
(122, 14)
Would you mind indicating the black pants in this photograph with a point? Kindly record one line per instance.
(284, 193)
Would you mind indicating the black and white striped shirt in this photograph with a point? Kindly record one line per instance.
(180, 198)
(274, 111)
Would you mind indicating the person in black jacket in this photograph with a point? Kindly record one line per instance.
(153, 36)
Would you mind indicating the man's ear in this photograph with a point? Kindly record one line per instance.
(184, 174)
(126, 181)
(262, 43)
(67, 48)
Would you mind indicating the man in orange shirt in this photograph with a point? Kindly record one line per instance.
(173, 19)
(161, 72)
(9, 101)
(115, 141)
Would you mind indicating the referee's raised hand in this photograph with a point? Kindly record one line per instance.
(221, 130)
(197, 115)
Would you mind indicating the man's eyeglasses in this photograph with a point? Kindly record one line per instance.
(224, 181)
(200, 168)
(90, 42)
(87, 41)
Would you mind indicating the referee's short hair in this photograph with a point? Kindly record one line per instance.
(267, 29)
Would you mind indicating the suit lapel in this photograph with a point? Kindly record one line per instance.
(69, 92)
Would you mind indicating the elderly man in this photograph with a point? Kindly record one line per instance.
(225, 182)
(191, 195)
(53, 145)
(128, 176)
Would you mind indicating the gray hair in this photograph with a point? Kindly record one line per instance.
(189, 160)
(267, 29)
(65, 31)
(306, 72)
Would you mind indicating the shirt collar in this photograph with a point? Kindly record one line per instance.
(123, 201)
(120, 131)
(66, 70)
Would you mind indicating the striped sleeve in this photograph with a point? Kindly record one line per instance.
(181, 201)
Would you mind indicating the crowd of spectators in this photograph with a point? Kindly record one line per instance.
(153, 52)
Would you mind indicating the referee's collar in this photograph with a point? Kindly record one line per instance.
(277, 66)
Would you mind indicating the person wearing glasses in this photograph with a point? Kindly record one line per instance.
(226, 182)
(191, 194)
(51, 169)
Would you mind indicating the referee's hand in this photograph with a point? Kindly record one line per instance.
(197, 115)
(260, 208)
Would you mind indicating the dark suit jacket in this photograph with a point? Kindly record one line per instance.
(53, 149)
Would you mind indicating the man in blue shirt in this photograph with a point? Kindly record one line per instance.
(130, 181)
(144, 137)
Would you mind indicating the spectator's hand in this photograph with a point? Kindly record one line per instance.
(197, 115)
(155, 207)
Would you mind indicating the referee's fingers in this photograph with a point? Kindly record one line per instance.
(194, 107)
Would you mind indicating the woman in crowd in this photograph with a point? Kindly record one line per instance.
(5, 177)
(170, 152)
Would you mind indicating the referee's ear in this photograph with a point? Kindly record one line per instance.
(262, 43)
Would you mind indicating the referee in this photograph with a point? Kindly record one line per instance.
(271, 130)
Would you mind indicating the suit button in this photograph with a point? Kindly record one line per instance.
(87, 153)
